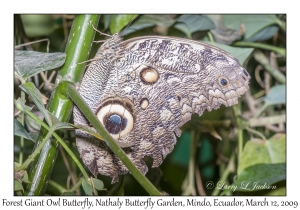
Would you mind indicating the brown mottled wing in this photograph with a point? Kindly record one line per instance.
(160, 82)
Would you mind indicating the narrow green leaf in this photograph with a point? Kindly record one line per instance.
(29, 63)
(276, 95)
(264, 34)
(18, 186)
(240, 53)
(258, 151)
(192, 23)
(88, 189)
(106, 19)
(253, 23)
(145, 21)
(260, 177)
(56, 124)
(31, 123)
(19, 130)
(37, 98)
(34, 136)
(118, 22)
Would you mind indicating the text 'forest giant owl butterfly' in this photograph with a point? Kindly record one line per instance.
(144, 89)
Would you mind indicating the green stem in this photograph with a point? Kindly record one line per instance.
(76, 186)
(261, 110)
(236, 109)
(22, 122)
(77, 50)
(60, 188)
(263, 60)
(226, 173)
(70, 90)
(278, 50)
(190, 183)
(210, 36)
(269, 120)
(256, 132)
(37, 150)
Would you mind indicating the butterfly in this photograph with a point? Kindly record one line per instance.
(144, 89)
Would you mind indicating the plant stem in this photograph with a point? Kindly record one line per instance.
(225, 174)
(69, 90)
(263, 60)
(57, 186)
(77, 50)
(37, 150)
(236, 109)
(256, 132)
(190, 183)
(263, 121)
(278, 50)
(22, 122)
(76, 186)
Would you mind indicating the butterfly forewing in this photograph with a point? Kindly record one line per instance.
(144, 89)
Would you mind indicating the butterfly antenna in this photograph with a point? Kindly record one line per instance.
(132, 19)
(100, 31)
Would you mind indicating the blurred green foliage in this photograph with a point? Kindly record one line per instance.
(245, 37)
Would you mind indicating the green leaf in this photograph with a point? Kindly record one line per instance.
(19, 130)
(29, 63)
(21, 106)
(37, 98)
(98, 184)
(192, 23)
(222, 34)
(281, 191)
(258, 151)
(25, 177)
(260, 175)
(18, 185)
(31, 123)
(145, 21)
(34, 136)
(118, 22)
(240, 53)
(106, 20)
(38, 25)
(88, 189)
(57, 124)
(264, 34)
(276, 95)
(253, 23)
(16, 165)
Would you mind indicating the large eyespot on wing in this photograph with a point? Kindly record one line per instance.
(117, 117)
